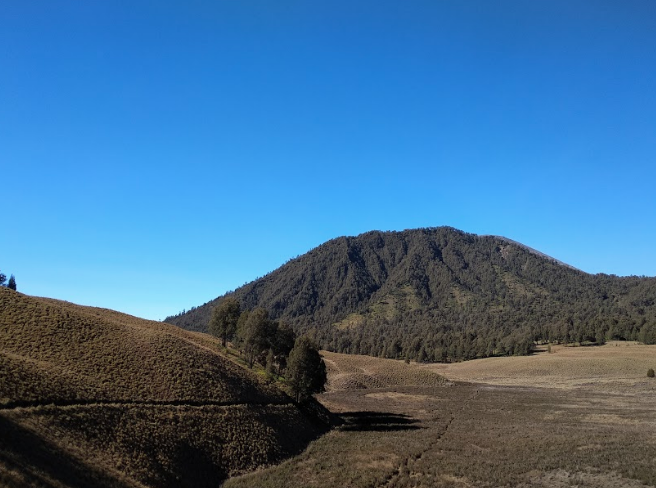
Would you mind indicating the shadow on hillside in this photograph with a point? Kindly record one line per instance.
(41, 463)
(377, 421)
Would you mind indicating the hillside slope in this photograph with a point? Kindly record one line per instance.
(92, 397)
(439, 293)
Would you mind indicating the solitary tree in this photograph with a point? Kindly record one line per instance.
(306, 371)
(12, 283)
(223, 322)
(3, 278)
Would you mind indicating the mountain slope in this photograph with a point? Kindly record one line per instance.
(439, 293)
(92, 397)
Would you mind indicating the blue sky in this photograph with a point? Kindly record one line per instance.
(156, 154)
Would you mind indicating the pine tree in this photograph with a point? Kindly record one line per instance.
(12, 283)
(3, 278)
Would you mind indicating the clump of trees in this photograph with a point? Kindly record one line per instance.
(273, 344)
(9, 284)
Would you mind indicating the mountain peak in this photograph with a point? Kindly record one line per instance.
(440, 293)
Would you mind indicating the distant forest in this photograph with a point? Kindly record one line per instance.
(440, 294)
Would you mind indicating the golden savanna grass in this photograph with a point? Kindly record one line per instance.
(93, 397)
(615, 366)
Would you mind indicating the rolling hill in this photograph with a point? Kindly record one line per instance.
(441, 294)
(93, 397)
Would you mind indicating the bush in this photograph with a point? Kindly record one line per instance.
(650, 373)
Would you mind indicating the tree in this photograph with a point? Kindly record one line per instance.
(12, 283)
(225, 316)
(306, 371)
(3, 278)
(283, 342)
(255, 334)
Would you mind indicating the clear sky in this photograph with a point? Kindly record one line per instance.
(156, 154)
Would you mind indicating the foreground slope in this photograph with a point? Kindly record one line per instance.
(92, 397)
(439, 293)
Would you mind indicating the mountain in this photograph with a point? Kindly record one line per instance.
(440, 294)
(93, 397)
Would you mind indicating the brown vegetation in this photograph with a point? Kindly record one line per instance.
(348, 372)
(484, 435)
(128, 402)
(616, 366)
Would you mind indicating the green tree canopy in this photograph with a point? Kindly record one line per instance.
(225, 316)
(255, 334)
(306, 371)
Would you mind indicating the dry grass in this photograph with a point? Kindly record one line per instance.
(485, 435)
(353, 372)
(93, 397)
(162, 445)
(614, 367)
(54, 351)
(576, 417)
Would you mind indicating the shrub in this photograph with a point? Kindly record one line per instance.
(650, 373)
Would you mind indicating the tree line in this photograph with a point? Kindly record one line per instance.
(273, 344)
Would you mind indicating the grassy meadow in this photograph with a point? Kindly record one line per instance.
(589, 421)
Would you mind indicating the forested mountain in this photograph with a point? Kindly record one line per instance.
(442, 294)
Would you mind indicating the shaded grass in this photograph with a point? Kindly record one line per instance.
(165, 445)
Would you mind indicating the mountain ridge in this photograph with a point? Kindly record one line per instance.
(442, 294)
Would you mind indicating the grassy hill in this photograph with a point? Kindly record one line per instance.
(441, 294)
(93, 397)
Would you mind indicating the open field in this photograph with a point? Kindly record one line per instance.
(570, 428)
(614, 367)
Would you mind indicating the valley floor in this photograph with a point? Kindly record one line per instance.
(574, 417)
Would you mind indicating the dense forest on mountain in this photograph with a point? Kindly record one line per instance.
(440, 294)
